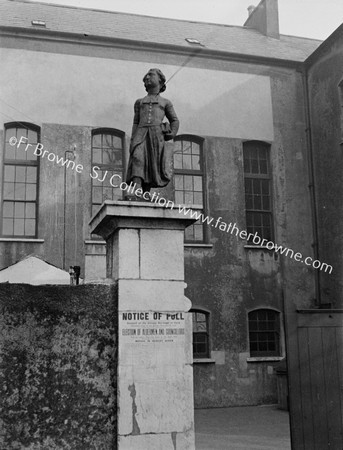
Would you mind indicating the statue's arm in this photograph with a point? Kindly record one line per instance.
(173, 120)
(136, 118)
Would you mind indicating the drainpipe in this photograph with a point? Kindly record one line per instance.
(311, 185)
(65, 202)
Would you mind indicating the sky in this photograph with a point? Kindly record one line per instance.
(308, 18)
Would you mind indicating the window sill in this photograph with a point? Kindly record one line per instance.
(31, 240)
(200, 245)
(189, 206)
(265, 358)
(203, 361)
(258, 247)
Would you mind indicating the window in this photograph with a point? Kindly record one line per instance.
(189, 185)
(201, 344)
(20, 182)
(107, 160)
(258, 196)
(264, 332)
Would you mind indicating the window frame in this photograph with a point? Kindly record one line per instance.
(258, 176)
(277, 353)
(23, 163)
(113, 132)
(207, 333)
(200, 141)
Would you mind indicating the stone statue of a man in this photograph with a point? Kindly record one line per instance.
(147, 166)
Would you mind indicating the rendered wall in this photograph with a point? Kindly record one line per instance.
(68, 90)
(99, 90)
(230, 279)
(326, 100)
(58, 367)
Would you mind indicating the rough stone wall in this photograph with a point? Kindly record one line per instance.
(57, 367)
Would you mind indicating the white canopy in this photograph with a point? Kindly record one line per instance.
(33, 270)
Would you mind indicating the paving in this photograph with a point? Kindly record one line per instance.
(242, 428)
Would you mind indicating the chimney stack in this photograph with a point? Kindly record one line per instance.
(264, 18)
(251, 9)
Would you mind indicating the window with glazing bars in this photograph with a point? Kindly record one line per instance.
(264, 332)
(107, 160)
(201, 344)
(258, 195)
(188, 180)
(20, 182)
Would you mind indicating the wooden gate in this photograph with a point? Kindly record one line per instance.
(315, 374)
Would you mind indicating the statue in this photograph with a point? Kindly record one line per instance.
(147, 166)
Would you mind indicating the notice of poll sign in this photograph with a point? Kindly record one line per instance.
(151, 326)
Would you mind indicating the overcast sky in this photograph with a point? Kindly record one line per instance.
(308, 18)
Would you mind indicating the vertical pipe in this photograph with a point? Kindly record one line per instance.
(311, 183)
(65, 207)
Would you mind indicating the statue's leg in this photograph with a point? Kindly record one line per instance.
(138, 181)
(146, 190)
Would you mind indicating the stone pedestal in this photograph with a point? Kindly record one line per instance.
(145, 255)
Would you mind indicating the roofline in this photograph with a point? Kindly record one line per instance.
(107, 11)
(323, 46)
(87, 39)
(301, 37)
(32, 255)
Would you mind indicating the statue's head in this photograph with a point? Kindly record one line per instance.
(154, 78)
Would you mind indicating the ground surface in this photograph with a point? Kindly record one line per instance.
(242, 428)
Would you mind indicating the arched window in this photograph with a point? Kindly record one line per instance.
(107, 160)
(258, 192)
(264, 332)
(201, 339)
(189, 179)
(19, 210)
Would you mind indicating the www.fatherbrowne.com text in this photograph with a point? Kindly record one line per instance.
(115, 181)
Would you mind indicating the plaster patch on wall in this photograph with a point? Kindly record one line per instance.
(219, 357)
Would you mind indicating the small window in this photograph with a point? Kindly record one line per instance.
(194, 42)
(38, 23)
(258, 195)
(20, 182)
(201, 344)
(107, 161)
(264, 332)
(189, 180)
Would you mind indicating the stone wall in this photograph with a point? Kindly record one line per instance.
(58, 367)
(325, 88)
